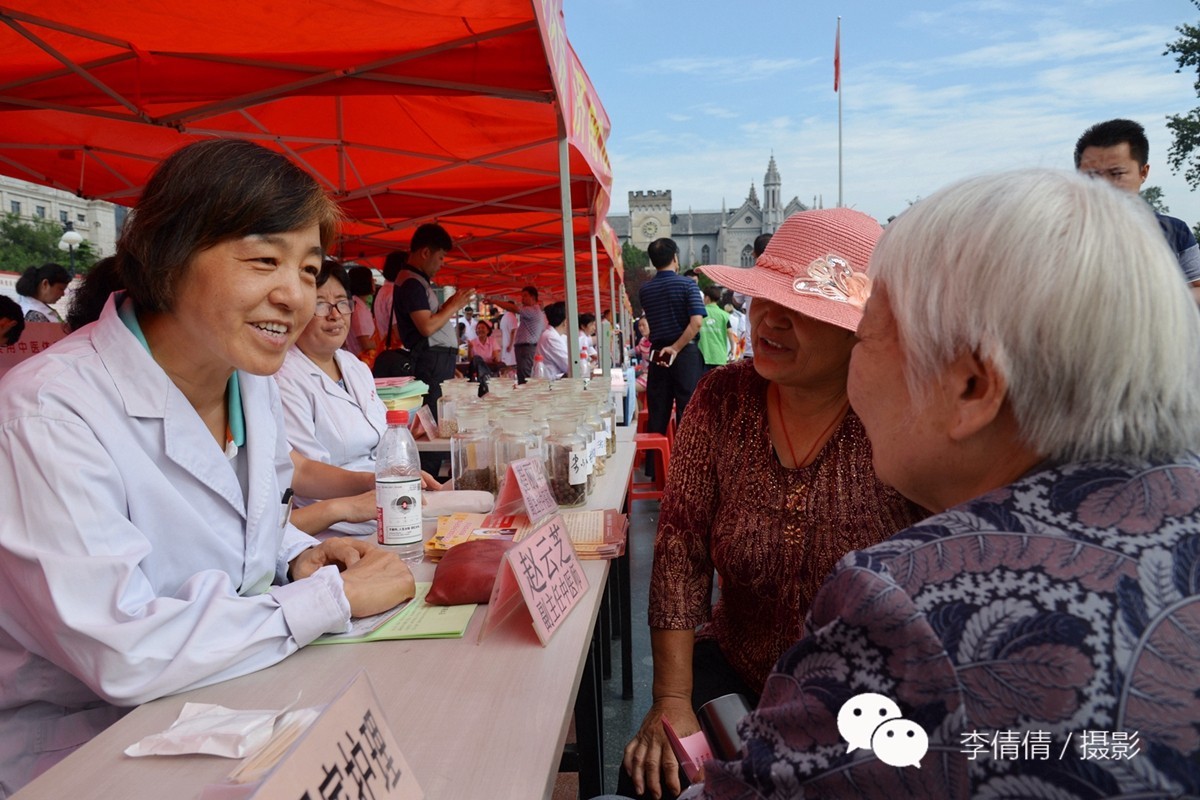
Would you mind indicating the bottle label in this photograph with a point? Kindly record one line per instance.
(398, 511)
(579, 466)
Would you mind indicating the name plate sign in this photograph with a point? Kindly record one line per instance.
(428, 427)
(540, 578)
(526, 489)
(347, 751)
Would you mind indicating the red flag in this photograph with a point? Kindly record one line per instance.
(837, 56)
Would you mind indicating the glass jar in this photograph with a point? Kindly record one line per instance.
(608, 415)
(471, 460)
(516, 441)
(453, 394)
(590, 417)
(566, 462)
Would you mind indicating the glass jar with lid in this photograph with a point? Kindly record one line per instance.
(453, 393)
(516, 441)
(608, 415)
(590, 417)
(471, 460)
(566, 462)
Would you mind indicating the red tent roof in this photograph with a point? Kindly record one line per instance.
(407, 112)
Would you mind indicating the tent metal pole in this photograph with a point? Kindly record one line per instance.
(569, 290)
(602, 350)
(616, 319)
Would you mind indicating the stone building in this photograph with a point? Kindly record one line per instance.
(99, 222)
(707, 237)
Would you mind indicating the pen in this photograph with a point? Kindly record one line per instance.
(286, 502)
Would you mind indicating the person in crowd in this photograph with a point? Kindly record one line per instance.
(716, 340)
(145, 549)
(484, 351)
(1054, 596)
(739, 325)
(427, 326)
(469, 321)
(675, 310)
(381, 309)
(460, 331)
(552, 346)
(12, 321)
(741, 301)
(509, 322)
(361, 341)
(607, 333)
(641, 352)
(773, 514)
(588, 353)
(39, 288)
(532, 322)
(1119, 152)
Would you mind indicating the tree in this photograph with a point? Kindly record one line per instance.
(636, 263)
(1185, 128)
(27, 243)
(1154, 196)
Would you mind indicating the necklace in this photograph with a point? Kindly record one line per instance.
(820, 437)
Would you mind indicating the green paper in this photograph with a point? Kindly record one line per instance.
(414, 620)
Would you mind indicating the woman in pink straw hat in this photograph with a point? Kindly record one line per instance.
(771, 483)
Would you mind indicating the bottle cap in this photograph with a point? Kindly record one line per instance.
(398, 417)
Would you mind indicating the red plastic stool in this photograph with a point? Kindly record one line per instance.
(644, 416)
(648, 443)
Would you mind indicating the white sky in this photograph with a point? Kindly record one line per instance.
(700, 93)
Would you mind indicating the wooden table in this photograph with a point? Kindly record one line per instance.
(473, 720)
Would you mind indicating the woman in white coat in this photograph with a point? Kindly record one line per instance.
(146, 548)
(331, 411)
(39, 288)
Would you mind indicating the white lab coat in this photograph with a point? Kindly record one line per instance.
(29, 304)
(131, 565)
(552, 347)
(330, 424)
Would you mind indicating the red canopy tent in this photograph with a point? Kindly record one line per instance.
(474, 113)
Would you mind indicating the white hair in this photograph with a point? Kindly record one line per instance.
(1068, 286)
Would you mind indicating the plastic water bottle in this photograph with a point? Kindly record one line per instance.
(540, 372)
(398, 489)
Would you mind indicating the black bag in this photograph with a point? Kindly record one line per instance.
(398, 362)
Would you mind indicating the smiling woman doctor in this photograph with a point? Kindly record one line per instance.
(145, 550)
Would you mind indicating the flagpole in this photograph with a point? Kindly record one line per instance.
(837, 85)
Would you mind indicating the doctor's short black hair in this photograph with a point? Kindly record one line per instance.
(207, 193)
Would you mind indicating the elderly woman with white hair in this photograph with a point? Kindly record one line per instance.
(1028, 368)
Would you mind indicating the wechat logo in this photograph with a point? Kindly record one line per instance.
(871, 721)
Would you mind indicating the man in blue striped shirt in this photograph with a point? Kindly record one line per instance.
(675, 310)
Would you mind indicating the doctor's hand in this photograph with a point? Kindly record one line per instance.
(342, 552)
(377, 582)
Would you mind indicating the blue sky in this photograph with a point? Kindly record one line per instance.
(701, 93)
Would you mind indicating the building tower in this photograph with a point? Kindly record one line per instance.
(649, 217)
(772, 199)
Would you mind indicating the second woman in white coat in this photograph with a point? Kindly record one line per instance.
(330, 407)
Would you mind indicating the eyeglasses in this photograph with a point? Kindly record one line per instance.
(325, 309)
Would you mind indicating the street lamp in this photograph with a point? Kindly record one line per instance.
(71, 239)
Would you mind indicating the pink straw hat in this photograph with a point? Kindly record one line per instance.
(816, 264)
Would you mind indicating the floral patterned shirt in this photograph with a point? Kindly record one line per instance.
(772, 534)
(1045, 636)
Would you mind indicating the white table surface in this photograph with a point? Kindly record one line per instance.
(473, 720)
